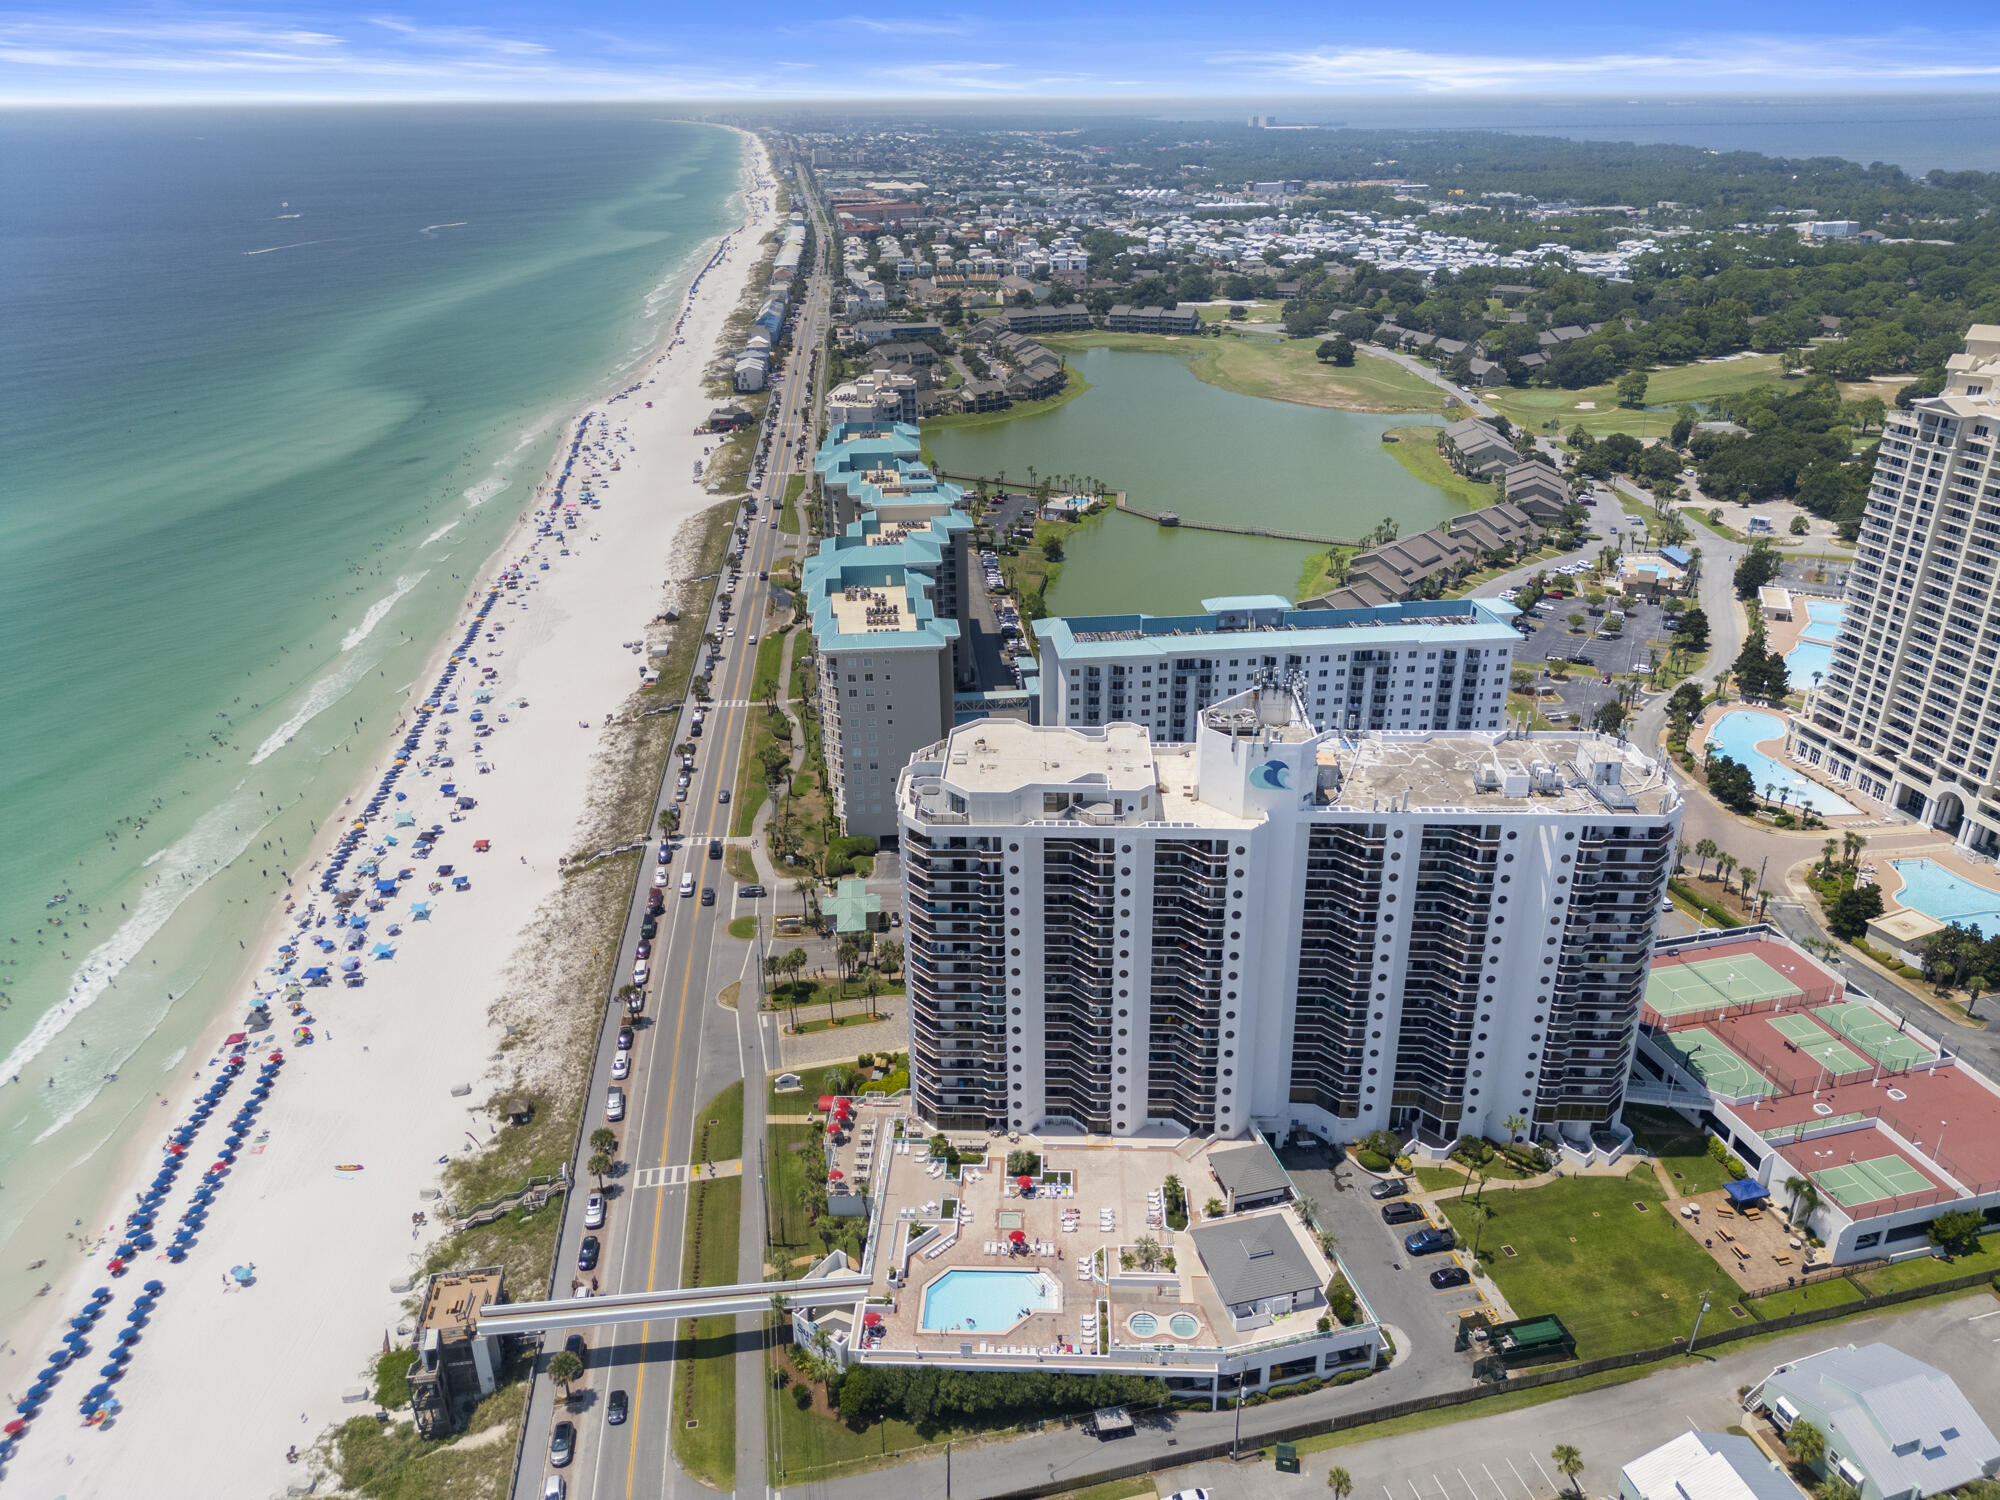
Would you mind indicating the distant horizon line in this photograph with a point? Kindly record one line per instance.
(907, 102)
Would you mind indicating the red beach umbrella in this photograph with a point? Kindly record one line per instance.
(1019, 1237)
(1024, 1182)
(873, 1320)
(835, 1175)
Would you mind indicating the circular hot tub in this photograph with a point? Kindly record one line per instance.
(1143, 1324)
(1183, 1325)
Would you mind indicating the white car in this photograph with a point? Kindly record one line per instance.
(661, 875)
(730, 631)
(593, 1211)
(621, 1068)
(614, 1104)
(555, 1489)
(1196, 1494)
(687, 883)
(639, 971)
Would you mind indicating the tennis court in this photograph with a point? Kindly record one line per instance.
(1710, 983)
(1810, 1038)
(1865, 1027)
(1857, 1182)
(1705, 1055)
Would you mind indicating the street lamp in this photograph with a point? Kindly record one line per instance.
(1696, 1332)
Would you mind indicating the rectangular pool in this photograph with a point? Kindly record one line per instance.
(986, 1301)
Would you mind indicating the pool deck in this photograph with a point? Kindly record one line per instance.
(1117, 1176)
(1869, 813)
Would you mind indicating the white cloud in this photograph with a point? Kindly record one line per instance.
(944, 26)
(1716, 61)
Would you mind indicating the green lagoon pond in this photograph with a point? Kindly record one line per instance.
(1149, 427)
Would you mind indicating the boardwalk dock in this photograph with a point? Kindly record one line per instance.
(1174, 519)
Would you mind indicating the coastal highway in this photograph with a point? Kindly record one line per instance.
(687, 1048)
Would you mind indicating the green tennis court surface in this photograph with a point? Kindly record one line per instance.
(1857, 1182)
(1705, 1055)
(1864, 1027)
(1709, 983)
(1811, 1040)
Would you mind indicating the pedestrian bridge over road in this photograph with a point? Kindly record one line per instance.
(843, 1289)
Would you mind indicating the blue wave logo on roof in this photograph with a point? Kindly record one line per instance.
(1273, 776)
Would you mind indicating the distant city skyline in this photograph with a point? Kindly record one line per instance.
(622, 50)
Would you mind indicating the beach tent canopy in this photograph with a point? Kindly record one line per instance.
(1747, 1190)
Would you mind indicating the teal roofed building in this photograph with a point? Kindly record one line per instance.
(1429, 664)
(884, 654)
(863, 467)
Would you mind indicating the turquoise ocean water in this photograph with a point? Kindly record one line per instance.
(274, 386)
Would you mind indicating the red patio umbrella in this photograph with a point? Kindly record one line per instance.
(1024, 1182)
(825, 1103)
(873, 1320)
(1019, 1237)
(836, 1175)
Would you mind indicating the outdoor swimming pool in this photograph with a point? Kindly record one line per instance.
(1933, 890)
(1814, 652)
(1736, 735)
(988, 1301)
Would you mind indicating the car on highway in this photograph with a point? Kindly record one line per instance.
(752, 639)
(614, 1104)
(1450, 1276)
(750, 892)
(562, 1443)
(1401, 1212)
(555, 1489)
(621, 1066)
(730, 631)
(687, 883)
(1194, 1494)
(645, 949)
(723, 795)
(708, 895)
(586, 1253)
(666, 853)
(650, 927)
(1429, 1241)
(639, 971)
(593, 1211)
(616, 1408)
(715, 848)
(1389, 1187)
(661, 877)
(625, 1037)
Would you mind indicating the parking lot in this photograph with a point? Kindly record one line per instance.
(1395, 1285)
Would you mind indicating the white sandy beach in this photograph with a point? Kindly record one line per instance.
(225, 1379)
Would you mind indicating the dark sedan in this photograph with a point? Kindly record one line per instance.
(586, 1253)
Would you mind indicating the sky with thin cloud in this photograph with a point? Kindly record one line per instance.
(515, 49)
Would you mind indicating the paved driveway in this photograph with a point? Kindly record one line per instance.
(1396, 1287)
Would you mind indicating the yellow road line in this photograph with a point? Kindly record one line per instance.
(746, 658)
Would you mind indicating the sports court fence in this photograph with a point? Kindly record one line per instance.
(1797, 1000)
(1794, 1070)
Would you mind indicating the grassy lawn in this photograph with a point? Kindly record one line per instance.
(815, 1445)
(1416, 449)
(1619, 1278)
(1277, 369)
(705, 1385)
(815, 1082)
(789, 1236)
(1439, 1179)
(1681, 1149)
(760, 728)
(1801, 1298)
(741, 867)
(1535, 406)
(1075, 386)
(719, 1133)
(764, 682)
(1141, 1488)
(1922, 1271)
(788, 518)
(743, 928)
(1266, 311)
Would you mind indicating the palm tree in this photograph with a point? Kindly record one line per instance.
(1340, 1482)
(598, 1165)
(1725, 863)
(1827, 853)
(1517, 1126)
(1805, 1197)
(564, 1368)
(1806, 1443)
(1569, 1461)
(604, 1138)
(1706, 850)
